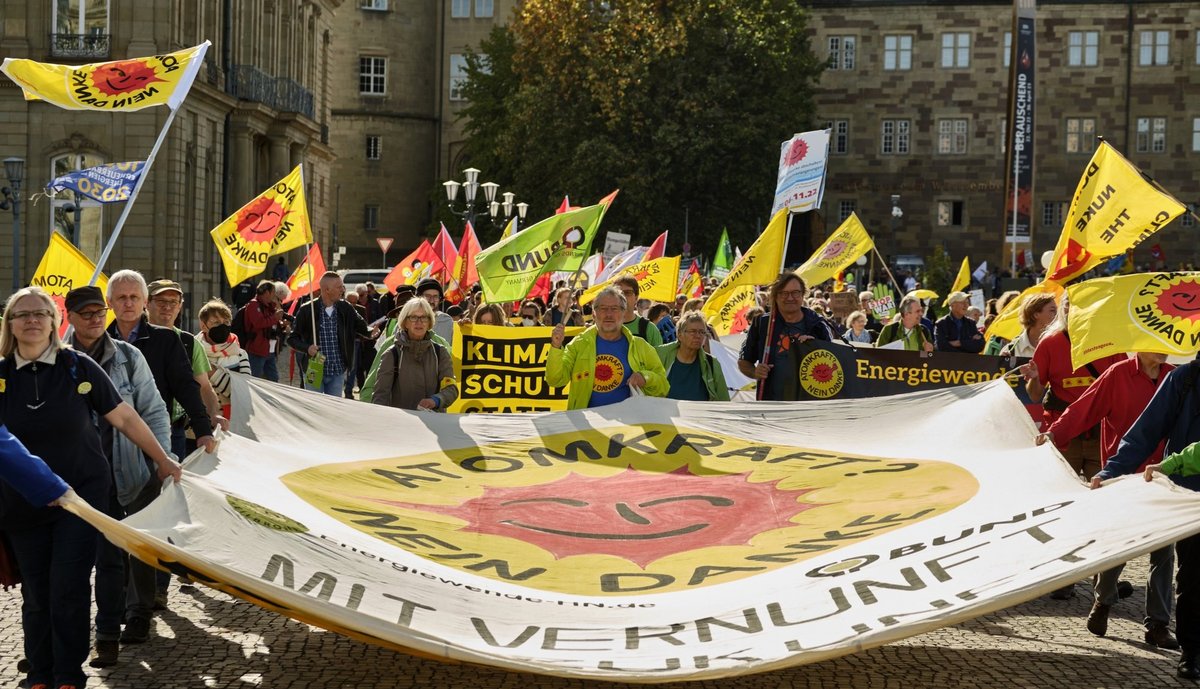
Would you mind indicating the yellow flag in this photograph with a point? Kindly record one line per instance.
(118, 86)
(760, 265)
(729, 315)
(849, 241)
(961, 281)
(508, 229)
(1007, 323)
(273, 222)
(63, 268)
(1143, 312)
(656, 280)
(1114, 209)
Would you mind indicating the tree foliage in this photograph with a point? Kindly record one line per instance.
(679, 103)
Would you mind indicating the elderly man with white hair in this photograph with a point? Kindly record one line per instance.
(954, 332)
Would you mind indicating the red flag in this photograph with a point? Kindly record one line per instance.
(421, 263)
(306, 279)
(1157, 252)
(443, 246)
(657, 249)
(465, 274)
(692, 285)
(564, 206)
(541, 288)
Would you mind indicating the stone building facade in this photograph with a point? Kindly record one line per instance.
(917, 92)
(260, 105)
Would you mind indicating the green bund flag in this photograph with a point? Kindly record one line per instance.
(723, 261)
(562, 242)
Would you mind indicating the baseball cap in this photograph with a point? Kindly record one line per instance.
(80, 297)
(159, 286)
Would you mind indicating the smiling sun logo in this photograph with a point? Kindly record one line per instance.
(260, 219)
(1167, 307)
(120, 78)
(628, 509)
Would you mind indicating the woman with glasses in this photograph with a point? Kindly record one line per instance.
(48, 393)
(416, 372)
(692, 372)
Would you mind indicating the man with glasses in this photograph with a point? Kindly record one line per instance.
(628, 285)
(693, 373)
(604, 363)
(766, 351)
(328, 325)
(908, 328)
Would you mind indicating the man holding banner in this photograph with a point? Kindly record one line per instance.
(766, 351)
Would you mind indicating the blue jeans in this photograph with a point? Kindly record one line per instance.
(263, 367)
(331, 384)
(123, 584)
(56, 566)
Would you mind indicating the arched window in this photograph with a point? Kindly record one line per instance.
(89, 217)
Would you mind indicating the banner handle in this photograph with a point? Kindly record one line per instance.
(112, 240)
(887, 270)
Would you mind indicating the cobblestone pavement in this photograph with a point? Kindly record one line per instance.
(207, 639)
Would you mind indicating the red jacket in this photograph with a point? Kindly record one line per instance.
(260, 318)
(1115, 401)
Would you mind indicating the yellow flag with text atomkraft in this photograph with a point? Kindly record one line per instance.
(849, 241)
(760, 265)
(273, 222)
(656, 280)
(1114, 209)
(63, 268)
(118, 86)
(1143, 312)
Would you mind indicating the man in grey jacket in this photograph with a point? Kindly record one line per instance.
(124, 586)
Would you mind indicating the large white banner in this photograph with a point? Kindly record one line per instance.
(647, 541)
(801, 182)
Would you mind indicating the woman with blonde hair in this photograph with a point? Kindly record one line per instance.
(416, 372)
(1038, 313)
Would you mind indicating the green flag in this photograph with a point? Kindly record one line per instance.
(562, 242)
(723, 261)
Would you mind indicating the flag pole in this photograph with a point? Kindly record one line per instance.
(888, 271)
(112, 240)
(787, 235)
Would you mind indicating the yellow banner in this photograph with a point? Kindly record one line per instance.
(118, 86)
(656, 280)
(63, 268)
(273, 222)
(729, 316)
(502, 369)
(1143, 312)
(1114, 209)
(849, 241)
(1007, 324)
(760, 265)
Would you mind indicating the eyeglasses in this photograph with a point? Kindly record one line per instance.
(91, 315)
(608, 309)
(40, 315)
(698, 333)
(418, 319)
(791, 294)
(168, 302)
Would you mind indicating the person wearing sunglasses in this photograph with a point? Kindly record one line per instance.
(416, 372)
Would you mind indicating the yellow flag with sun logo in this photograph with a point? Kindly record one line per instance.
(1144, 312)
(273, 222)
(849, 241)
(117, 86)
(63, 268)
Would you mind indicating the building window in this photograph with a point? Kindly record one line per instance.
(1052, 215)
(839, 136)
(1081, 135)
(841, 52)
(372, 75)
(956, 50)
(1151, 134)
(1007, 49)
(952, 135)
(1083, 48)
(897, 52)
(483, 8)
(371, 217)
(377, 5)
(950, 213)
(1196, 134)
(894, 137)
(458, 77)
(91, 213)
(374, 147)
(845, 208)
(460, 9)
(79, 28)
(1188, 218)
(1153, 49)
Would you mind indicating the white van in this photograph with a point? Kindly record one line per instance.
(354, 277)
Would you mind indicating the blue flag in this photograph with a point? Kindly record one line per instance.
(109, 183)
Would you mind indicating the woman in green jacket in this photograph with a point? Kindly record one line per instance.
(692, 372)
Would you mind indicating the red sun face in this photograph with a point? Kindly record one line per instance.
(115, 78)
(823, 373)
(834, 250)
(739, 321)
(1181, 300)
(641, 517)
(260, 220)
(796, 152)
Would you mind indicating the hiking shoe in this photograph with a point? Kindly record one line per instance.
(106, 654)
(1097, 620)
(137, 631)
(1065, 593)
(1160, 636)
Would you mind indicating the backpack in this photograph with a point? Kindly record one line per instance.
(238, 326)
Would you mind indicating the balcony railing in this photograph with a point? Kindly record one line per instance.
(87, 46)
(250, 83)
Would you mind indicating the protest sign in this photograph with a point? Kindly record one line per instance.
(503, 369)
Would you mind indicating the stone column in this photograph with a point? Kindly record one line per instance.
(281, 157)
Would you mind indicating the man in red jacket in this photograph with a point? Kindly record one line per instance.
(262, 318)
(1115, 401)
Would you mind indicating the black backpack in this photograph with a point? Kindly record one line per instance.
(238, 326)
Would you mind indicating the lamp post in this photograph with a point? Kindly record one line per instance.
(14, 168)
(897, 214)
(470, 187)
(75, 207)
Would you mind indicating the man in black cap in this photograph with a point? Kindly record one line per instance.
(124, 587)
(430, 290)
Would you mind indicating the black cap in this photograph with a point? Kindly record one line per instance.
(401, 289)
(430, 283)
(80, 297)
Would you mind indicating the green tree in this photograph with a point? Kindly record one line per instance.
(938, 276)
(681, 104)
